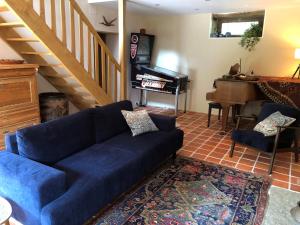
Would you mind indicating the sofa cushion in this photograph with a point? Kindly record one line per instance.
(139, 122)
(52, 141)
(151, 148)
(109, 121)
(96, 176)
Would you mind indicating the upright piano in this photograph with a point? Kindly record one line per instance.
(232, 92)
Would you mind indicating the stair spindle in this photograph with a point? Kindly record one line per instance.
(89, 53)
(103, 65)
(115, 83)
(53, 17)
(72, 25)
(96, 51)
(42, 9)
(63, 21)
(81, 41)
(109, 75)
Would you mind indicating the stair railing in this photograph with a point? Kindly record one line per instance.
(76, 33)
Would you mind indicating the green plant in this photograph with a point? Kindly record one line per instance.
(251, 37)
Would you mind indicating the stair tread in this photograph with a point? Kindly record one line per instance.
(58, 75)
(12, 24)
(22, 39)
(36, 53)
(51, 65)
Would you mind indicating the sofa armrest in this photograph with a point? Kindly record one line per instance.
(29, 184)
(164, 123)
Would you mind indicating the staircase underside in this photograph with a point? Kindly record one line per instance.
(56, 63)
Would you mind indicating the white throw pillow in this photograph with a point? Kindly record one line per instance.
(268, 126)
(139, 122)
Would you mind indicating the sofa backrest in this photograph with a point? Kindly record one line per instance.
(11, 144)
(52, 141)
(109, 121)
(269, 108)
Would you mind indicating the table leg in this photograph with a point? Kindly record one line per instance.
(176, 100)
(225, 113)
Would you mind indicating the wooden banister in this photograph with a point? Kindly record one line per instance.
(82, 37)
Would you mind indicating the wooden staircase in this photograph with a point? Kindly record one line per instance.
(70, 53)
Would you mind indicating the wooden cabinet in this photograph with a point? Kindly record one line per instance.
(19, 106)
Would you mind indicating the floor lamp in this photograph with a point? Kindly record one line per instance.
(297, 56)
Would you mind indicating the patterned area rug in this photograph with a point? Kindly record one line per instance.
(191, 192)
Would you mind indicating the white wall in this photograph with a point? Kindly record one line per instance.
(183, 44)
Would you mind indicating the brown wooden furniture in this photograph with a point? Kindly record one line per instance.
(231, 93)
(19, 106)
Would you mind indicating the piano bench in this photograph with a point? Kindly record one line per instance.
(213, 105)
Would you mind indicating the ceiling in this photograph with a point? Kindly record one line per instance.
(197, 6)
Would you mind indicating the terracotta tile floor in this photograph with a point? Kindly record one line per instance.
(208, 145)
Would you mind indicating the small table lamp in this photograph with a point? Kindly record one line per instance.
(297, 56)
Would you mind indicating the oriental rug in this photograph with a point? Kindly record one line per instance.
(190, 192)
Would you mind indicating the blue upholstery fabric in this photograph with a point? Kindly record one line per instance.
(11, 143)
(52, 141)
(109, 121)
(258, 140)
(95, 176)
(270, 108)
(163, 123)
(151, 147)
(28, 183)
(85, 176)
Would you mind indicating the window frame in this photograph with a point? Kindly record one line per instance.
(217, 19)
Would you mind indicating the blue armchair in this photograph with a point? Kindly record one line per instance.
(284, 141)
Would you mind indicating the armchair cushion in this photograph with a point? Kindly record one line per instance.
(259, 141)
(268, 126)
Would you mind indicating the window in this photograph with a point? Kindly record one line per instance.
(235, 24)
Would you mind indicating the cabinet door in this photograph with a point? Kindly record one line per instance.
(27, 113)
(15, 93)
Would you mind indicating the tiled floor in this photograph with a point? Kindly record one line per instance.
(207, 144)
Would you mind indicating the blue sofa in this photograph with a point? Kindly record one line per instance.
(62, 172)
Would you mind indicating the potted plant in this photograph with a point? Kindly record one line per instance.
(251, 37)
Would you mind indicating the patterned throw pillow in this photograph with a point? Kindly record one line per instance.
(268, 126)
(139, 122)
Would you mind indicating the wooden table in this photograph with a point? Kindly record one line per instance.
(5, 211)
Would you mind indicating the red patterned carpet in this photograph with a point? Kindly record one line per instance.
(208, 145)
